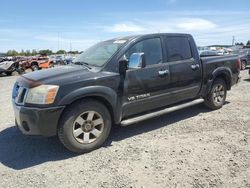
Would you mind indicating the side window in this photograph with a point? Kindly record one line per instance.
(151, 48)
(178, 48)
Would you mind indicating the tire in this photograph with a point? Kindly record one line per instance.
(243, 65)
(8, 73)
(21, 71)
(84, 126)
(51, 65)
(215, 99)
(34, 67)
(10, 70)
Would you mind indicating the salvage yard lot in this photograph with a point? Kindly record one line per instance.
(193, 147)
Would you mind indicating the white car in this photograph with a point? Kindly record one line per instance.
(8, 66)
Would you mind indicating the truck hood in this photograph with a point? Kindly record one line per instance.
(58, 75)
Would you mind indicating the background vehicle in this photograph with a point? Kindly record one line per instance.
(59, 60)
(207, 53)
(68, 60)
(120, 81)
(8, 66)
(244, 55)
(37, 63)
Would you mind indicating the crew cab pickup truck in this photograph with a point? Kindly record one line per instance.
(120, 82)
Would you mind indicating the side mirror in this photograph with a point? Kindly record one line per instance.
(123, 66)
(137, 60)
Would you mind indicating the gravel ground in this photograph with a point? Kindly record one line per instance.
(193, 147)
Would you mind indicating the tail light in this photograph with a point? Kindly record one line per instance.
(238, 64)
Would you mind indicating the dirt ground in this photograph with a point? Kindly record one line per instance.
(193, 147)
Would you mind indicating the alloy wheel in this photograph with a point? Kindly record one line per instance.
(219, 94)
(88, 127)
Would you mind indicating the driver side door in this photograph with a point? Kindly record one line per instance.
(146, 88)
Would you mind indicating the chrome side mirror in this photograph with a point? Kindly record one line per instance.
(137, 60)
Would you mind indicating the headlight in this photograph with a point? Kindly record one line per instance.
(43, 94)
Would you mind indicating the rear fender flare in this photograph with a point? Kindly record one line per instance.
(220, 71)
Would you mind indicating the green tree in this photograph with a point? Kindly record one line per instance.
(27, 53)
(45, 52)
(22, 52)
(73, 52)
(239, 44)
(61, 52)
(34, 52)
(12, 53)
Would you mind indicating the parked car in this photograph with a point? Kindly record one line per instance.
(8, 66)
(120, 82)
(244, 55)
(59, 60)
(37, 63)
(207, 53)
(68, 60)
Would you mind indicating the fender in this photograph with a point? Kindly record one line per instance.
(92, 91)
(220, 71)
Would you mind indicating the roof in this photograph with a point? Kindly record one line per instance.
(131, 37)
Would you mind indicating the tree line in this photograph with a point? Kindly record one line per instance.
(242, 44)
(40, 52)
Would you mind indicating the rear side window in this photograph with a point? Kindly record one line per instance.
(178, 48)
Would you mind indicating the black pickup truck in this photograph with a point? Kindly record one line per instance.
(120, 82)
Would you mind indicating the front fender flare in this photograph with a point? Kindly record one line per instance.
(106, 93)
(91, 91)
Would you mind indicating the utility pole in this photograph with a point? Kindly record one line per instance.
(70, 46)
(233, 41)
(58, 41)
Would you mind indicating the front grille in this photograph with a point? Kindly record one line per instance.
(19, 94)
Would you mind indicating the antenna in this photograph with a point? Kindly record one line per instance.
(58, 41)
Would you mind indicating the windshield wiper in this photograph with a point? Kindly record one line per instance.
(83, 63)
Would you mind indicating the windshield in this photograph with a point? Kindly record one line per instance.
(100, 53)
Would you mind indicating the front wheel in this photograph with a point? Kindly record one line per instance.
(8, 73)
(215, 99)
(84, 126)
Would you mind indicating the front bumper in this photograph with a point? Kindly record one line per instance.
(37, 121)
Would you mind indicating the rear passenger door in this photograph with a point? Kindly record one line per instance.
(185, 70)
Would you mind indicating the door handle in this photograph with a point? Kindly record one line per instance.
(163, 72)
(195, 66)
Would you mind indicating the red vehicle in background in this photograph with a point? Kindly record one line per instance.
(37, 63)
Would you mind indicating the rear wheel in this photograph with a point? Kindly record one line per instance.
(51, 65)
(84, 126)
(217, 96)
(243, 65)
(34, 67)
(21, 71)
